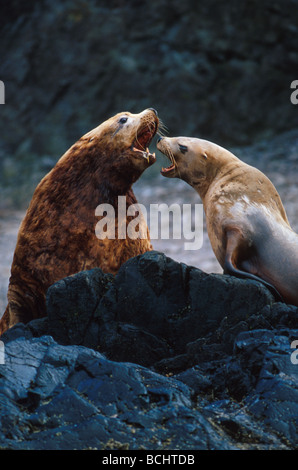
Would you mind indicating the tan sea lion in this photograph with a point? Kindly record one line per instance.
(57, 236)
(246, 221)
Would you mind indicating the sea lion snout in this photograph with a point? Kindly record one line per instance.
(183, 159)
(164, 144)
(154, 110)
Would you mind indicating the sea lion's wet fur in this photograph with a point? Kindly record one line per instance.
(57, 236)
(246, 221)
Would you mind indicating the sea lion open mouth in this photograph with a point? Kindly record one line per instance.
(170, 170)
(140, 145)
(164, 171)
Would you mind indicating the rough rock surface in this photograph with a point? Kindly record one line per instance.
(219, 70)
(161, 356)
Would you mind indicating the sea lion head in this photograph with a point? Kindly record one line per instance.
(193, 160)
(123, 141)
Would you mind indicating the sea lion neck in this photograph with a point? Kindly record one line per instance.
(111, 190)
(97, 168)
(113, 181)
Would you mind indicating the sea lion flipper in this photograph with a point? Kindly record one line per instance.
(234, 242)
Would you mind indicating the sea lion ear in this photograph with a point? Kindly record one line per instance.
(183, 148)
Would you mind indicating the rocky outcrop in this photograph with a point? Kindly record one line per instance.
(161, 356)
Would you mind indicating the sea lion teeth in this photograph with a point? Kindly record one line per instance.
(146, 154)
(248, 229)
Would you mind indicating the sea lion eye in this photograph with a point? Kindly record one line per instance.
(183, 148)
(123, 120)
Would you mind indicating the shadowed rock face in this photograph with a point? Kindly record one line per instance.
(159, 306)
(161, 349)
(68, 66)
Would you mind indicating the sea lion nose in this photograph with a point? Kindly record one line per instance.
(159, 139)
(154, 110)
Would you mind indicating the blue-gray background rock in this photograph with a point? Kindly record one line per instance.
(220, 71)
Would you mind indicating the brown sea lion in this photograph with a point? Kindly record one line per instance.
(57, 236)
(246, 222)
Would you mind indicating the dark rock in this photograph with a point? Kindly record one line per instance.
(196, 380)
(73, 398)
(152, 310)
(161, 356)
(74, 301)
(275, 399)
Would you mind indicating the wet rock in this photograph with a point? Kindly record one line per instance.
(160, 356)
(153, 309)
(265, 355)
(70, 397)
(166, 357)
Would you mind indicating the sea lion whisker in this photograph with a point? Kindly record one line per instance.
(162, 129)
(169, 153)
(147, 126)
(161, 133)
(162, 125)
(138, 142)
(176, 166)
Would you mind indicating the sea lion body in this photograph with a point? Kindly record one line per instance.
(246, 222)
(57, 236)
